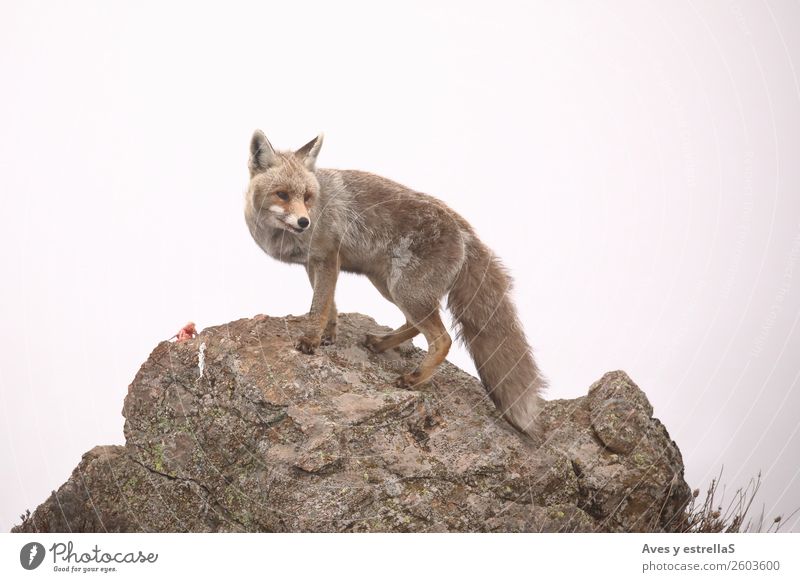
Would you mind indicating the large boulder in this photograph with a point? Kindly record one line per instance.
(235, 430)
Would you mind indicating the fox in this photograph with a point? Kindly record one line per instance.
(413, 248)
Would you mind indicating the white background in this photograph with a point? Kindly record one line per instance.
(635, 164)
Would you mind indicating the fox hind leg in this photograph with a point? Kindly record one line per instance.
(430, 324)
(381, 343)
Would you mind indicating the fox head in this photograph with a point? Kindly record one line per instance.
(283, 188)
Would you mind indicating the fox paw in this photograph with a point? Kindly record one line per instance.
(371, 342)
(408, 381)
(329, 336)
(307, 344)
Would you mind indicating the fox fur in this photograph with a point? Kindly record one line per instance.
(415, 251)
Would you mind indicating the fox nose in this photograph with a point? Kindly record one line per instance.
(303, 222)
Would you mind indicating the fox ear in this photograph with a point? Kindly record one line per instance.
(262, 154)
(308, 153)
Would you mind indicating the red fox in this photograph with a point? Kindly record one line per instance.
(412, 247)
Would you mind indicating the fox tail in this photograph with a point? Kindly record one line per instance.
(488, 325)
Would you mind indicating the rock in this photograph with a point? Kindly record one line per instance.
(269, 439)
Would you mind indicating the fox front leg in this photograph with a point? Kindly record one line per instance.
(329, 333)
(323, 276)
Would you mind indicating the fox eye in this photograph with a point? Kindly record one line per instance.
(307, 197)
(282, 195)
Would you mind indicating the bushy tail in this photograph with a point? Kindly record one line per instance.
(488, 324)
